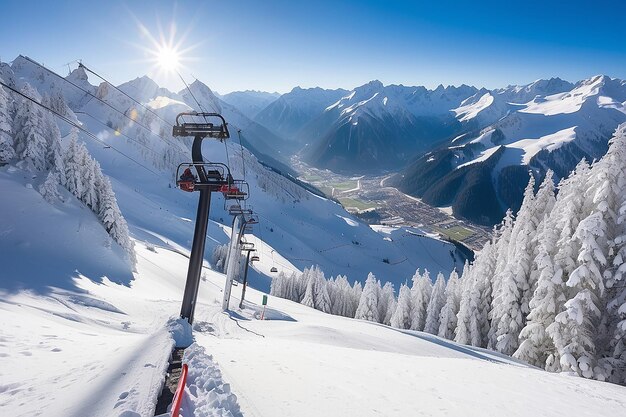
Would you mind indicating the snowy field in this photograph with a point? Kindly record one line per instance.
(102, 350)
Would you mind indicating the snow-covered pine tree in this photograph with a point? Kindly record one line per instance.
(357, 291)
(48, 189)
(7, 152)
(347, 297)
(309, 293)
(436, 303)
(218, 258)
(368, 304)
(113, 221)
(553, 243)
(447, 318)
(574, 329)
(536, 346)
(421, 290)
(542, 207)
(502, 243)
(467, 318)
(508, 304)
(89, 194)
(321, 298)
(386, 303)
(54, 154)
(333, 295)
(71, 164)
(277, 287)
(615, 352)
(609, 184)
(402, 315)
(29, 140)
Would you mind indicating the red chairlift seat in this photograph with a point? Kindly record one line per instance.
(187, 181)
(232, 192)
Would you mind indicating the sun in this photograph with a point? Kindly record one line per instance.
(166, 51)
(167, 58)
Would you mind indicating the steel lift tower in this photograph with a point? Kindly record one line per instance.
(208, 178)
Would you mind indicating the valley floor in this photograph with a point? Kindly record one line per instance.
(362, 194)
(102, 351)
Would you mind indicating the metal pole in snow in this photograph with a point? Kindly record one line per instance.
(199, 239)
(232, 260)
(245, 280)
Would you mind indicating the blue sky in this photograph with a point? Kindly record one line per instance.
(274, 45)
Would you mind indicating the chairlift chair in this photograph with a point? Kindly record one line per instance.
(214, 173)
(211, 125)
(235, 190)
(273, 269)
(255, 258)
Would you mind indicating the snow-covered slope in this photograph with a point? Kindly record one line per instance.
(102, 352)
(250, 102)
(506, 135)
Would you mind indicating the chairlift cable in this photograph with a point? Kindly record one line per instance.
(120, 133)
(243, 161)
(76, 125)
(97, 98)
(81, 65)
(190, 92)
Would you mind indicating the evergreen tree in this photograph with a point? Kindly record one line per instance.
(402, 314)
(48, 188)
(277, 287)
(536, 346)
(504, 233)
(447, 318)
(421, 290)
(54, 154)
(467, 318)
(573, 329)
(309, 294)
(386, 303)
(30, 142)
(436, 303)
(113, 221)
(508, 304)
(7, 152)
(368, 304)
(357, 291)
(321, 298)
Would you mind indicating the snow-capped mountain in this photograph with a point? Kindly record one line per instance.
(483, 171)
(377, 126)
(292, 111)
(250, 102)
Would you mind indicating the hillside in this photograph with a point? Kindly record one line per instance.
(356, 367)
(508, 137)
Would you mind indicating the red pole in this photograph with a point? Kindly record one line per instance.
(180, 389)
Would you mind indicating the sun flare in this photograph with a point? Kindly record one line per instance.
(168, 58)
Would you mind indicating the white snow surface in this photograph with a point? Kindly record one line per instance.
(101, 351)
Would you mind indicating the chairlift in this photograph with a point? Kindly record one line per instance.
(212, 125)
(235, 190)
(249, 246)
(207, 174)
(236, 209)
